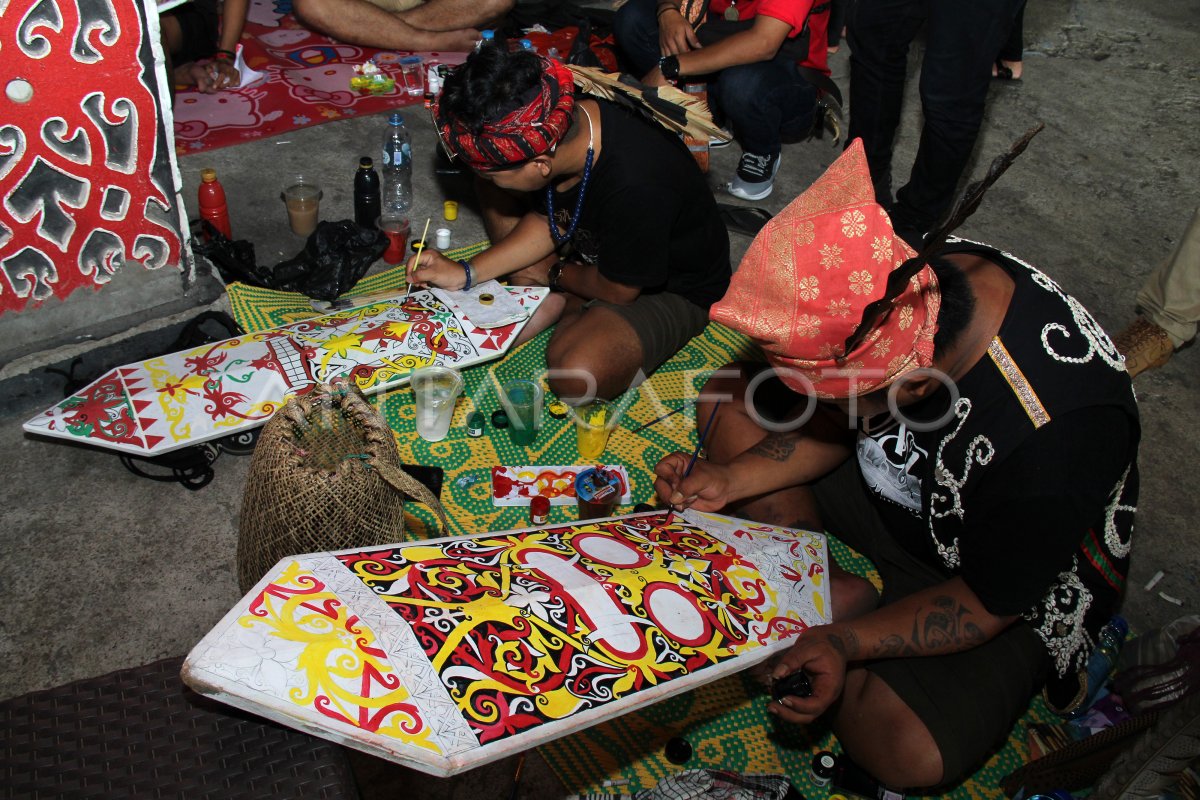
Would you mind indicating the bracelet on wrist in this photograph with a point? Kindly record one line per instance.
(469, 270)
(664, 8)
(224, 55)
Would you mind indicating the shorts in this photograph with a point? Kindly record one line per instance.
(664, 323)
(969, 701)
(199, 25)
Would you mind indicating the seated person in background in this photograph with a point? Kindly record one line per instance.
(619, 199)
(200, 42)
(402, 24)
(756, 75)
(978, 443)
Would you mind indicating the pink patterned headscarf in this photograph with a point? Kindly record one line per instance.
(802, 286)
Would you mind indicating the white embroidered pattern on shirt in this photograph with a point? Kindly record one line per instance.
(979, 451)
(1062, 630)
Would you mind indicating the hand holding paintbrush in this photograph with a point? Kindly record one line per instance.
(420, 248)
(695, 455)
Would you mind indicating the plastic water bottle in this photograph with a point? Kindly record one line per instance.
(366, 194)
(397, 196)
(212, 202)
(1104, 658)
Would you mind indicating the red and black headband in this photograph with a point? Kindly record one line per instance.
(531, 130)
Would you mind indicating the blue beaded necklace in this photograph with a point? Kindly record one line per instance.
(583, 184)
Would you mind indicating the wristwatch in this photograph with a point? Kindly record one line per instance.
(555, 276)
(669, 67)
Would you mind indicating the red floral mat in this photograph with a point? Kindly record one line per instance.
(306, 81)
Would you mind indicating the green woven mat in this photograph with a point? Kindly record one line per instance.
(728, 727)
(725, 722)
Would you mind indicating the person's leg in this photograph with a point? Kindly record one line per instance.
(1013, 51)
(961, 42)
(1170, 297)
(762, 101)
(879, 33)
(604, 349)
(635, 29)
(364, 23)
(921, 722)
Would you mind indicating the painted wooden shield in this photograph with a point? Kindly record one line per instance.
(208, 392)
(448, 654)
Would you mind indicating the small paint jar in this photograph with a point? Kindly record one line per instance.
(441, 238)
(821, 769)
(475, 424)
(539, 510)
(450, 210)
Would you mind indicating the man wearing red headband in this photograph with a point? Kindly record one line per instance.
(623, 226)
(976, 440)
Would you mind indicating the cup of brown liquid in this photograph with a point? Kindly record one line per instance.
(303, 199)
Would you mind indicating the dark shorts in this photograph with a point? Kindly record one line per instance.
(200, 24)
(969, 701)
(664, 324)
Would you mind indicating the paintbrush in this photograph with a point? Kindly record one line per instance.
(420, 249)
(696, 453)
(657, 420)
(517, 778)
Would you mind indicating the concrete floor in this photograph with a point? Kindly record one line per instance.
(103, 570)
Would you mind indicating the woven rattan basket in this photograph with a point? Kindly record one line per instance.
(325, 476)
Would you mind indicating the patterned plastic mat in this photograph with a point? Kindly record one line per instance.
(726, 722)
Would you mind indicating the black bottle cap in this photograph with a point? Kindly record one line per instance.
(366, 163)
(678, 750)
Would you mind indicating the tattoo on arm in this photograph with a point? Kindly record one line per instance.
(776, 446)
(946, 627)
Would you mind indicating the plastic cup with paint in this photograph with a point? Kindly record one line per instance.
(597, 492)
(303, 199)
(450, 210)
(412, 72)
(436, 390)
(594, 421)
(396, 230)
(441, 238)
(522, 401)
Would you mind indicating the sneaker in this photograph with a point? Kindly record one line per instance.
(1144, 345)
(755, 176)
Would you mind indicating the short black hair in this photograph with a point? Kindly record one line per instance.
(490, 84)
(958, 305)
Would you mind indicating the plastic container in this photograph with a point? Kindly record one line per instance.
(1103, 660)
(486, 38)
(366, 193)
(396, 196)
(212, 202)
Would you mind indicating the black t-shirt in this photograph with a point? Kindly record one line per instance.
(1041, 490)
(649, 219)
(1030, 513)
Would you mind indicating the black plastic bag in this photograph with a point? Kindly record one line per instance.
(335, 257)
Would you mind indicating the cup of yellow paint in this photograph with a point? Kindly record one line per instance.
(594, 422)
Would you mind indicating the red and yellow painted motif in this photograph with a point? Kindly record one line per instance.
(211, 391)
(531, 627)
(327, 659)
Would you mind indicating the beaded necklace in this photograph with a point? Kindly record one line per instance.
(583, 184)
